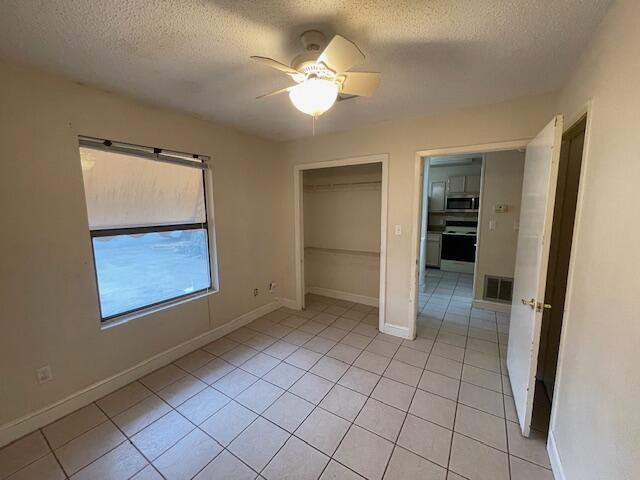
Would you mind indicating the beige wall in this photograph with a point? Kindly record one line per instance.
(513, 120)
(503, 173)
(342, 229)
(596, 424)
(49, 306)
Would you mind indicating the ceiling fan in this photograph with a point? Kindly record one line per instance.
(323, 77)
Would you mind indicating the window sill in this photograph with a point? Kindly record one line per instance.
(127, 317)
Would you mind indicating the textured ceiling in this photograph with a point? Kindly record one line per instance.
(193, 55)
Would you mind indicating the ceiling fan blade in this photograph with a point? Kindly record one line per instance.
(340, 55)
(270, 62)
(345, 97)
(363, 84)
(277, 92)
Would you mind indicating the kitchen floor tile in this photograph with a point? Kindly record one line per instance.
(405, 465)
(226, 467)
(481, 426)
(393, 393)
(202, 405)
(288, 411)
(259, 396)
(123, 461)
(228, 422)
(187, 457)
(439, 384)
(44, 468)
(140, 415)
(344, 402)
(161, 435)
(426, 439)
(434, 408)
(284, 375)
(120, 400)
(89, 446)
(323, 430)
(257, 445)
(481, 398)
(381, 419)
(311, 387)
(287, 465)
(22, 452)
(359, 380)
(477, 461)
(364, 452)
(73, 425)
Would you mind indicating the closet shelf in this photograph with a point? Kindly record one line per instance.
(324, 187)
(341, 251)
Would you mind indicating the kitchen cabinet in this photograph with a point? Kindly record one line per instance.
(472, 184)
(436, 197)
(434, 241)
(455, 184)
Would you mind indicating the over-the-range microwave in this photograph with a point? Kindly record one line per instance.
(463, 203)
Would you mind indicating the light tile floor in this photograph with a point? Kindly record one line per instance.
(308, 395)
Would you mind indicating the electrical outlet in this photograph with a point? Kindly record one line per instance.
(398, 229)
(44, 374)
(255, 292)
(272, 287)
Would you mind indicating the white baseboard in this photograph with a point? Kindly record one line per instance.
(493, 306)
(287, 302)
(22, 426)
(554, 458)
(350, 297)
(397, 331)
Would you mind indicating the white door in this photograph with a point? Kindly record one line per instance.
(536, 215)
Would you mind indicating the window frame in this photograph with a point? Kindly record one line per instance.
(155, 154)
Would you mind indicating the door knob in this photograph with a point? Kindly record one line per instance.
(531, 303)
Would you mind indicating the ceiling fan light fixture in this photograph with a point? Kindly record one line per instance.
(314, 96)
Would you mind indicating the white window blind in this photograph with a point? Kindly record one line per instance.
(124, 191)
(148, 224)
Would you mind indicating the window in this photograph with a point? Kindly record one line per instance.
(147, 215)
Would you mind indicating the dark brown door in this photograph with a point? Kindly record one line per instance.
(560, 250)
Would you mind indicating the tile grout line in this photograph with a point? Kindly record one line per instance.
(455, 413)
(127, 439)
(52, 453)
(334, 383)
(506, 425)
(406, 414)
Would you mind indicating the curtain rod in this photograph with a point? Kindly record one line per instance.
(150, 153)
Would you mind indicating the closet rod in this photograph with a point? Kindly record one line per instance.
(378, 182)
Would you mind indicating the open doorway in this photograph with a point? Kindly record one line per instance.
(470, 208)
(341, 235)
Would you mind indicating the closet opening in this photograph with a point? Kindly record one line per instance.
(341, 239)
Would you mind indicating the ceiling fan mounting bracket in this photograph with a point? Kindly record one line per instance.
(312, 40)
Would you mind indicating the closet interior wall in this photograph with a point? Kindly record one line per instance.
(342, 231)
